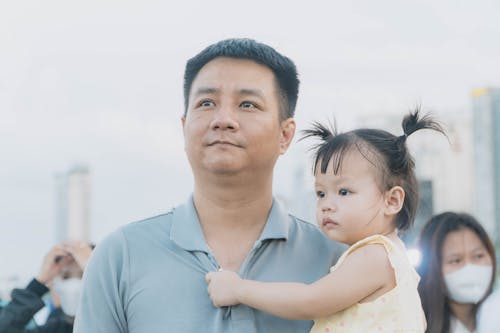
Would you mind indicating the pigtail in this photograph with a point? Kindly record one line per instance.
(320, 131)
(413, 122)
(324, 149)
(402, 165)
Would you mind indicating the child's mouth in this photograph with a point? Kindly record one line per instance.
(328, 222)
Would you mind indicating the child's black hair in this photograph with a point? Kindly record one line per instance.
(387, 152)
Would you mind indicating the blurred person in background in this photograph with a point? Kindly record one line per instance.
(457, 271)
(61, 273)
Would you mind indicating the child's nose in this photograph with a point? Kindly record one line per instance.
(329, 206)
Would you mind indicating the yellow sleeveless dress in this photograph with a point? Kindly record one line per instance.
(398, 310)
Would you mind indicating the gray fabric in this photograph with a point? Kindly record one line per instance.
(149, 276)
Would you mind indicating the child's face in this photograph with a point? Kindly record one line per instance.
(350, 204)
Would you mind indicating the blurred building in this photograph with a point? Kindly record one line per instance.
(73, 204)
(486, 114)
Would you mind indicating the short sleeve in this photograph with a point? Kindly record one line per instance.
(105, 279)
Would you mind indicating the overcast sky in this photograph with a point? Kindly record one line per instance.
(100, 82)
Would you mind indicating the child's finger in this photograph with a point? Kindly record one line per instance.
(208, 277)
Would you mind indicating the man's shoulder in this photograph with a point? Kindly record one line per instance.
(142, 231)
(157, 222)
(303, 227)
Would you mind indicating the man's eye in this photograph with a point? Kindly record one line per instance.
(247, 105)
(320, 194)
(206, 104)
(344, 192)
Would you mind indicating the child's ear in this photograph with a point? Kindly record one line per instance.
(394, 199)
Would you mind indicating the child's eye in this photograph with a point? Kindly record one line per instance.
(344, 192)
(320, 194)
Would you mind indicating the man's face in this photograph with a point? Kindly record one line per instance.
(232, 122)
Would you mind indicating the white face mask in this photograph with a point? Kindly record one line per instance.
(69, 293)
(468, 284)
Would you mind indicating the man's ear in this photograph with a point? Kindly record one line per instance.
(287, 133)
(183, 124)
(394, 199)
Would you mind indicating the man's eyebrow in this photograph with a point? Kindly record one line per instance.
(205, 91)
(252, 92)
(242, 92)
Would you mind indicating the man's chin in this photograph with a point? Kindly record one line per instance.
(225, 170)
(224, 165)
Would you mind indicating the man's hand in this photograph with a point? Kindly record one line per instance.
(223, 287)
(52, 266)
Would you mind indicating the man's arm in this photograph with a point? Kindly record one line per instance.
(101, 308)
(362, 273)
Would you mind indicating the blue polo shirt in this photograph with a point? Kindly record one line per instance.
(149, 276)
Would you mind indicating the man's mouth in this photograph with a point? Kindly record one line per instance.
(223, 143)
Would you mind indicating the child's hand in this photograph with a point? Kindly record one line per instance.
(222, 287)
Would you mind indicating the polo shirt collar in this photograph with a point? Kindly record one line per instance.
(277, 224)
(186, 230)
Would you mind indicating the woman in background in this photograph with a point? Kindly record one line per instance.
(457, 272)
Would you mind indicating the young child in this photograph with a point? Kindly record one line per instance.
(366, 192)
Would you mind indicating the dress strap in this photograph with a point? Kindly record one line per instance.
(374, 239)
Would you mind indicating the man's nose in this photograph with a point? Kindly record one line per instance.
(225, 118)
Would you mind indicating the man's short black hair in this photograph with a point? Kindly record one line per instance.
(283, 68)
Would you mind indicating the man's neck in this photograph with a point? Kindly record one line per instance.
(232, 206)
(232, 218)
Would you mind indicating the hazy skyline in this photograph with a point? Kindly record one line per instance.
(100, 83)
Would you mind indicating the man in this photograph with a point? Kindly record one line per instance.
(61, 274)
(148, 276)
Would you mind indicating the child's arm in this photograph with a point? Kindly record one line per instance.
(363, 272)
